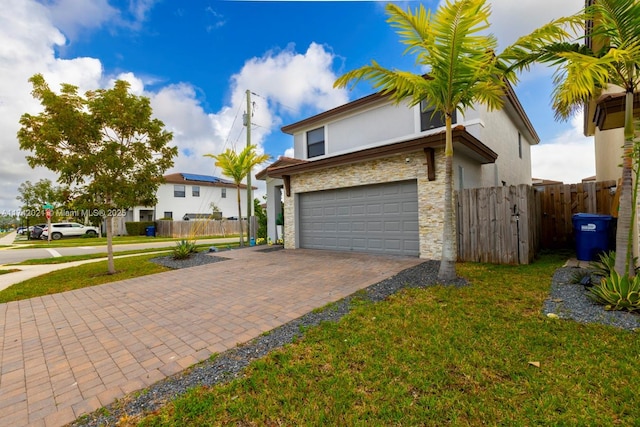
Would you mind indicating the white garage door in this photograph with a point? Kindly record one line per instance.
(381, 218)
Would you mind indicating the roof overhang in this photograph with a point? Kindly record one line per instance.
(609, 110)
(464, 143)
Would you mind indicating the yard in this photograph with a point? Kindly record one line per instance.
(481, 354)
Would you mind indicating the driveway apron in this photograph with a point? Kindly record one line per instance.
(65, 355)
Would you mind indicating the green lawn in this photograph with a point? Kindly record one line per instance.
(91, 274)
(436, 356)
(102, 241)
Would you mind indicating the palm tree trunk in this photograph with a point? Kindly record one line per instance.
(447, 269)
(624, 232)
(240, 219)
(111, 268)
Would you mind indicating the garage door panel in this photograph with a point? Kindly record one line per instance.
(379, 218)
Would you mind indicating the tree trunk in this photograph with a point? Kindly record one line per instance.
(447, 269)
(111, 268)
(240, 219)
(624, 233)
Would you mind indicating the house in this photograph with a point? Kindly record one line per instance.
(186, 196)
(369, 175)
(604, 120)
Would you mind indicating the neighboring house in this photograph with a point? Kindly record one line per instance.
(369, 175)
(604, 120)
(190, 196)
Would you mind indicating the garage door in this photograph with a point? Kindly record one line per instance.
(380, 218)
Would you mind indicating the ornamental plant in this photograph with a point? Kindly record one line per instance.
(617, 292)
(184, 249)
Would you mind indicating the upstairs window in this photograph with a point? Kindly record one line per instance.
(224, 193)
(315, 143)
(178, 191)
(519, 145)
(429, 120)
(195, 191)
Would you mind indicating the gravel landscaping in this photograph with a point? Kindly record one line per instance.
(196, 259)
(566, 300)
(570, 301)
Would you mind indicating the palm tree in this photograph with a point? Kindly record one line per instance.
(237, 166)
(463, 70)
(583, 73)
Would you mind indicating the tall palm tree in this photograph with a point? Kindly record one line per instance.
(582, 74)
(237, 166)
(463, 70)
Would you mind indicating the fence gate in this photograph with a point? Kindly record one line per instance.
(498, 225)
(560, 202)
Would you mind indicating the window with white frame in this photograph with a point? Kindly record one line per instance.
(179, 191)
(224, 193)
(195, 191)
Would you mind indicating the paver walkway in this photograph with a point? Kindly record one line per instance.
(65, 355)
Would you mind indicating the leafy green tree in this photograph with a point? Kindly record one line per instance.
(35, 195)
(237, 166)
(452, 44)
(262, 219)
(106, 145)
(582, 73)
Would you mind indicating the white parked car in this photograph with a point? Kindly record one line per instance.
(68, 229)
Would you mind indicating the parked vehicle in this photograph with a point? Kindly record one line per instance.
(36, 231)
(68, 229)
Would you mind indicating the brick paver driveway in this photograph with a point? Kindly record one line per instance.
(68, 354)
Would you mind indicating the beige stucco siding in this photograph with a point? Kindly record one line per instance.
(500, 133)
(608, 148)
(389, 169)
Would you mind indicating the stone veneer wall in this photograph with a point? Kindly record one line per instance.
(389, 169)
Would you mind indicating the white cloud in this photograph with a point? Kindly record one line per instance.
(75, 16)
(569, 157)
(279, 80)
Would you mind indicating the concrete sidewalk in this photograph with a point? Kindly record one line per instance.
(8, 239)
(30, 271)
(65, 355)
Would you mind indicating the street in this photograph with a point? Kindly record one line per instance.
(13, 255)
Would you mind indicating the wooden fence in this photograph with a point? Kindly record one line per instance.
(498, 224)
(560, 202)
(199, 228)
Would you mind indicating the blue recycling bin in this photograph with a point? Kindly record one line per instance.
(591, 232)
(151, 231)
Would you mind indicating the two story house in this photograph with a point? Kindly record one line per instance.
(369, 175)
(187, 196)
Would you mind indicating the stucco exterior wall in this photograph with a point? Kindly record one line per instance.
(379, 123)
(179, 206)
(501, 135)
(608, 148)
(390, 169)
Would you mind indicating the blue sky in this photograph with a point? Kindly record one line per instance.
(195, 60)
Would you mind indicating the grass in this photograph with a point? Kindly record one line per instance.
(71, 258)
(90, 274)
(101, 241)
(436, 356)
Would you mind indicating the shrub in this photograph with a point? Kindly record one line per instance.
(184, 249)
(138, 228)
(617, 293)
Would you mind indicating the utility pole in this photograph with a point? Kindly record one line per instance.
(249, 200)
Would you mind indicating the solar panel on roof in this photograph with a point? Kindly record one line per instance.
(204, 178)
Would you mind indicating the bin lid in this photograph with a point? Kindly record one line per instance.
(591, 216)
